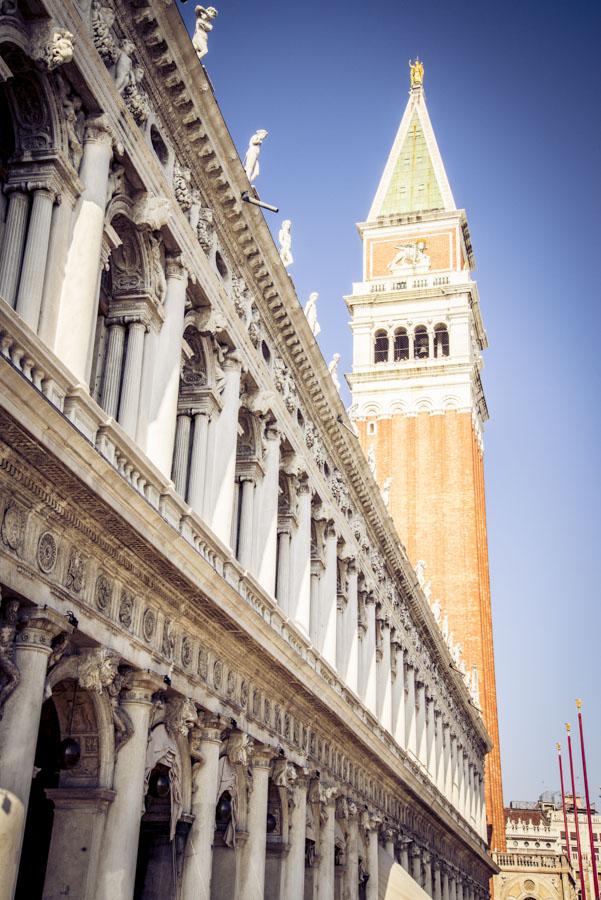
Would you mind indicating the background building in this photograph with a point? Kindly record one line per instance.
(219, 676)
(418, 399)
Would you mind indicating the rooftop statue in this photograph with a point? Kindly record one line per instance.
(416, 70)
(371, 460)
(204, 24)
(332, 368)
(311, 313)
(285, 239)
(251, 160)
(386, 491)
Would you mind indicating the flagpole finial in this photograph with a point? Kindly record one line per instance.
(579, 705)
(568, 726)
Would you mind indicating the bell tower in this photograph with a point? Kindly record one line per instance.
(418, 400)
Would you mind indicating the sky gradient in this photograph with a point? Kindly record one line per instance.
(513, 92)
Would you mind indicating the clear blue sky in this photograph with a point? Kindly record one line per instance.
(513, 93)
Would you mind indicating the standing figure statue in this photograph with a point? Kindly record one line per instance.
(285, 239)
(417, 72)
(311, 313)
(371, 460)
(386, 491)
(251, 160)
(204, 24)
(333, 370)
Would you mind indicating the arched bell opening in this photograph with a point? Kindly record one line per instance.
(441, 341)
(421, 349)
(401, 345)
(381, 343)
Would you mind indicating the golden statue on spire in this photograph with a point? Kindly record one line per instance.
(416, 70)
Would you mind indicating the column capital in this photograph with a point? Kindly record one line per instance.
(303, 486)
(38, 627)
(174, 267)
(98, 130)
(262, 756)
(210, 727)
(141, 686)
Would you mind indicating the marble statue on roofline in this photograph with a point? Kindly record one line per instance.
(333, 370)
(285, 239)
(371, 460)
(251, 160)
(204, 24)
(311, 313)
(386, 491)
(416, 71)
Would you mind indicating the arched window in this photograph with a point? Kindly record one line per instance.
(381, 347)
(421, 349)
(401, 344)
(441, 341)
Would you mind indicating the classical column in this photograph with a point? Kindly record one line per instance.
(398, 696)
(437, 880)
(448, 768)
(167, 363)
(13, 241)
(369, 655)
(411, 742)
(58, 248)
(245, 538)
(328, 598)
(341, 602)
(21, 711)
(180, 454)
(420, 722)
(294, 877)
(267, 538)
(224, 458)
(315, 597)
(250, 868)
(327, 843)
(389, 842)
(282, 588)
(404, 853)
(111, 378)
(430, 737)
(31, 285)
(352, 629)
(439, 750)
(132, 378)
(427, 865)
(198, 854)
(372, 892)
(79, 296)
(446, 892)
(452, 886)
(117, 868)
(454, 777)
(198, 460)
(384, 685)
(300, 605)
(351, 876)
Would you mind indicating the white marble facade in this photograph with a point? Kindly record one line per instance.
(219, 676)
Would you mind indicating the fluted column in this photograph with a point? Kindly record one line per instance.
(13, 242)
(117, 867)
(58, 248)
(180, 454)
(372, 891)
(79, 296)
(31, 285)
(165, 383)
(198, 461)
(420, 722)
(294, 878)
(282, 588)
(448, 767)
(132, 378)
(446, 891)
(404, 854)
(328, 598)
(315, 600)
(427, 864)
(431, 737)
(111, 379)
(416, 863)
(437, 880)
(454, 777)
(245, 537)
(341, 602)
(267, 538)
(369, 658)
(198, 854)
(224, 458)
(352, 629)
(300, 605)
(384, 684)
(410, 711)
(398, 696)
(439, 750)
(21, 711)
(327, 842)
(250, 868)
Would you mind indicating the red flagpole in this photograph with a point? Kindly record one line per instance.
(580, 867)
(588, 803)
(563, 804)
